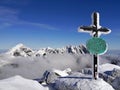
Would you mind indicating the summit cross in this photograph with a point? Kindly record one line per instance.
(95, 30)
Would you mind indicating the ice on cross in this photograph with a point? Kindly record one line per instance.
(95, 29)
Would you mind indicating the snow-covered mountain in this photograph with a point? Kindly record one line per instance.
(22, 50)
(31, 65)
(68, 49)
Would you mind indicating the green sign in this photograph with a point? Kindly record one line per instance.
(96, 45)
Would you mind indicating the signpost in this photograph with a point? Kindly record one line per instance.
(95, 45)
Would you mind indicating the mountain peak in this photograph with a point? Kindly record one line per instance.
(20, 50)
(19, 45)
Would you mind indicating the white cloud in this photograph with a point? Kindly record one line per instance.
(38, 25)
(34, 67)
(10, 17)
(8, 14)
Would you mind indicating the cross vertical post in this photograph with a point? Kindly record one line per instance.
(96, 30)
(95, 66)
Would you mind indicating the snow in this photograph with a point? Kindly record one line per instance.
(62, 73)
(111, 74)
(50, 76)
(108, 67)
(34, 67)
(20, 83)
(76, 81)
(57, 60)
(116, 83)
(79, 81)
(22, 50)
(40, 52)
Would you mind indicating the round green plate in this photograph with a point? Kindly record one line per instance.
(96, 46)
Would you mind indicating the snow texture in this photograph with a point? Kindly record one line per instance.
(20, 83)
(81, 82)
(108, 67)
(116, 83)
(50, 76)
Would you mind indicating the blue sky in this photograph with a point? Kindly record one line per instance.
(54, 23)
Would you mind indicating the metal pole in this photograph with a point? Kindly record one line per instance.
(95, 61)
(95, 66)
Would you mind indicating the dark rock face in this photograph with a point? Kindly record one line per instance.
(16, 54)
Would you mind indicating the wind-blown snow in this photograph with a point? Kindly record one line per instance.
(20, 83)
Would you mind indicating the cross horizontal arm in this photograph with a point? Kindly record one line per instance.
(104, 30)
(85, 29)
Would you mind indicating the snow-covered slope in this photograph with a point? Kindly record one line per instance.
(111, 74)
(20, 83)
(78, 81)
(21, 50)
(108, 67)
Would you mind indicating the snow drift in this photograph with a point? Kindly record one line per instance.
(78, 81)
(20, 83)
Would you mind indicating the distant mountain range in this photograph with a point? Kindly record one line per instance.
(22, 50)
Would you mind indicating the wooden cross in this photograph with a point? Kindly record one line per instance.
(96, 30)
